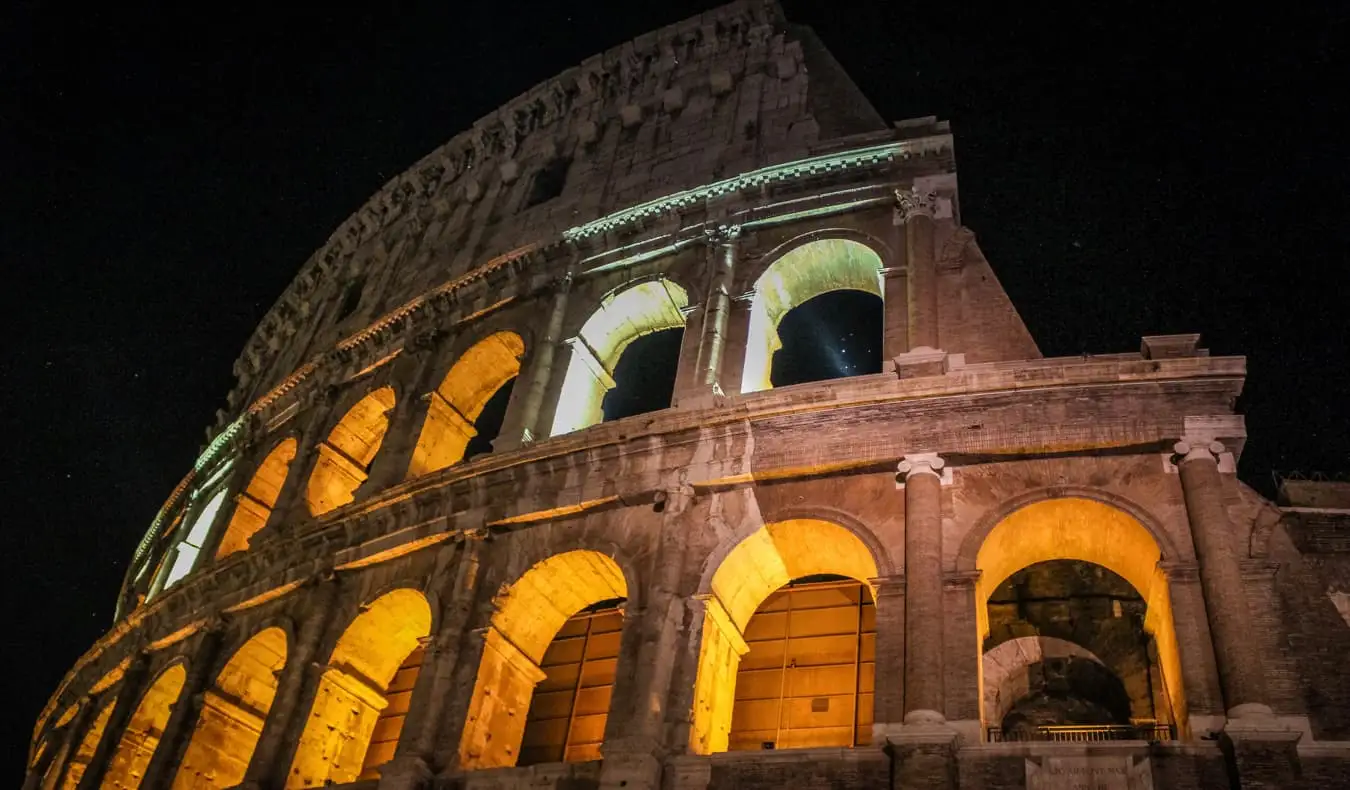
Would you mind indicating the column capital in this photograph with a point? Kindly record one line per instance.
(722, 234)
(888, 585)
(922, 464)
(1185, 450)
(914, 202)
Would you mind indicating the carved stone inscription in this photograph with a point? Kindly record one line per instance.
(1101, 772)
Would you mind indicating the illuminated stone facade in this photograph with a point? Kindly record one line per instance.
(415, 554)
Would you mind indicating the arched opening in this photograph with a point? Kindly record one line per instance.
(464, 414)
(622, 318)
(831, 336)
(532, 641)
(144, 730)
(363, 695)
(345, 456)
(746, 623)
(187, 550)
(79, 762)
(830, 331)
(259, 497)
(232, 715)
(644, 377)
(1076, 625)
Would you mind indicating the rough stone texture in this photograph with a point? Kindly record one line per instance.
(746, 122)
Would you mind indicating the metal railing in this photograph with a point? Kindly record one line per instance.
(1086, 733)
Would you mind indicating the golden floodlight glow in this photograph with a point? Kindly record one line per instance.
(623, 316)
(345, 456)
(232, 715)
(759, 565)
(143, 731)
(88, 744)
(1075, 528)
(815, 268)
(352, 692)
(453, 407)
(529, 614)
(259, 497)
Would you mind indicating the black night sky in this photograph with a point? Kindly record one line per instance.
(164, 172)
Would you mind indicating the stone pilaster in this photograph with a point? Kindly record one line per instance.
(426, 725)
(295, 692)
(888, 700)
(920, 475)
(915, 210)
(523, 421)
(1236, 655)
(133, 685)
(717, 310)
(187, 710)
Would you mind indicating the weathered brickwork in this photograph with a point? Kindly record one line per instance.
(342, 593)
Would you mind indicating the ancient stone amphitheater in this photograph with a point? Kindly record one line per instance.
(444, 536)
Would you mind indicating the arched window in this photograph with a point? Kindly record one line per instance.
(845, 331)
(345, 456)
(189, 548)
(464, 414)
(232, 715)
(143, 731)
(256, 502)
(79, 762)
(812, 637)
(545, 634)
(362, 698)
(623, 317)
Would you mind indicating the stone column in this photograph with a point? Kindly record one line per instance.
(915, 210)
(522, 423)
(921, 477)
(962, 654)
(183, 719)
(128, 698)
(1235, 652)
(712, 341)
(895, 297)
(286, 718)
(634, 732)
(414, 761)
(888, 698)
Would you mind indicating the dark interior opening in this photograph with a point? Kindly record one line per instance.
(831, 336)
(548, 182)
(351, 297)
(644, 377)
(489, 422)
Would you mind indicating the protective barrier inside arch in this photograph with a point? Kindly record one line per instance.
(255, 504)
(529, 614)
(768, 559)
(814, 268)
(144, 730)
(232, 715)
(807, 679)
(79, 761)
(1076, 528)
(622, 317)
(455, 405)
(353, 692)
(345, 456)
(189, 548)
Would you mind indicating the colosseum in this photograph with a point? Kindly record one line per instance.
(536, 476)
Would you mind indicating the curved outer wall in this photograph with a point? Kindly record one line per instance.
(680, 167)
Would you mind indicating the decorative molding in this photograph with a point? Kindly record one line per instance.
(914, 202)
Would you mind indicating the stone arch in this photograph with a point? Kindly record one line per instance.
(126, 766)
(254, 505)
(186, 552)
(232, 714)
(799, 271)
(455, 405)
(1088, 530)
(756, 566)
(624, 315)
(1005, 668)
(344, 458)
(356, 689)
(528, 614)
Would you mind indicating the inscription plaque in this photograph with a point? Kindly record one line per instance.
(1098, 772)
